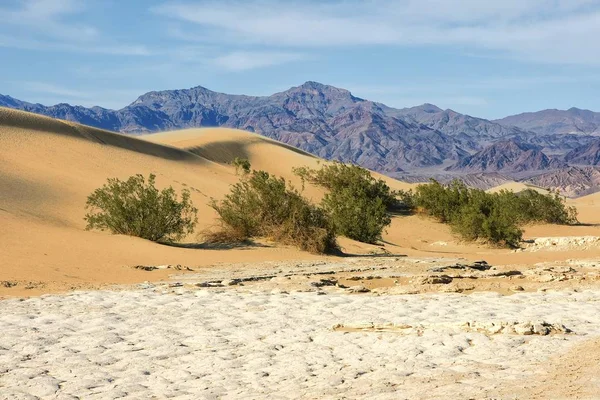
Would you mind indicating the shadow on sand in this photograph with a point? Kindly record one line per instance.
(246, 245)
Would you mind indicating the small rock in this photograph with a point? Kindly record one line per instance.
(324, 282)
(523, 329)
(209, 284)
(540, 329)
(358, 289)
(279, 291)
(517, 288)
(145, 267)
(230, 282)
(436, 280)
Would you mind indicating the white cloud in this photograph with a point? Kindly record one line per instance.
(52, 25)
(39, 45)
(244, 60)
(558, 31)
(49, 17)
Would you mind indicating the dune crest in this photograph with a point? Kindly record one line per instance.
(49, 167)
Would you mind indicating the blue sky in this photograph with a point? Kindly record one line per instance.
(486, 58)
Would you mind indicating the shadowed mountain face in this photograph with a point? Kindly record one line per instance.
(550, 122)
(571, 181)
(458, 125)
(332, 123)
(588, 154)
(507, 156)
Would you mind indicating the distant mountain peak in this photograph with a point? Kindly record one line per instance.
(312, 86)
(332, 123)
(429, 108)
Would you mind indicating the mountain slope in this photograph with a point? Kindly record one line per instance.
(588, 154)
(334, 124)
(507, 156)
(573, 120)
(460, 125)
(571, 181)
(323, 120)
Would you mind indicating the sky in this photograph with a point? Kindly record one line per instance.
(487, 58)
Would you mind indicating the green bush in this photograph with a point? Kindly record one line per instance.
(496, 218)
(357, 203)
(355, 215)
(337, 176)
(261, 205)
(241, 164)
(483, 217)
(549, 208)
(441, 201)
(137, 208)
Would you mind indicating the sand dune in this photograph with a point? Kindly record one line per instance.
(49, 167)
(223, 145)
(590, 199)
(516, 187)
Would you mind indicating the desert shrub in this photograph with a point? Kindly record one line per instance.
(441, 201)
(357, 203)
(241, 165)
(405, 201)
(262, 205)
(337, 176)
(224, 236)
(137, 208)
(549, 208)
(483, 217)
(496, 218)
(355, 215)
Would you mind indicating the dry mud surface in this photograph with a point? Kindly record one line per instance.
(291, 331)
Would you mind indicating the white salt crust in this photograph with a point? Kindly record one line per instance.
(207, 344)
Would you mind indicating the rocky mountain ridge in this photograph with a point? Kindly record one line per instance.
(334, 124)
(573, 121)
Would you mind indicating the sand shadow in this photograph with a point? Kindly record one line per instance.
(246, 245)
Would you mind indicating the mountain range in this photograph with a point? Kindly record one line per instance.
(334, 124)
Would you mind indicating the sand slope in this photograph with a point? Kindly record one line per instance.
(516, 187)
(49, 167)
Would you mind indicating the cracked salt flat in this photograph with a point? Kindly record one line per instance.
(230, 344)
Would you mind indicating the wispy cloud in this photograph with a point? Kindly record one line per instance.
(556, 31)
(446, 85)
(40, 45)
(243, 60)
(52, 25)
(49, 17)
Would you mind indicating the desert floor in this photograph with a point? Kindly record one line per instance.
(87, 314)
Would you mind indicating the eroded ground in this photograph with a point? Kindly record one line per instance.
(378, 327)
